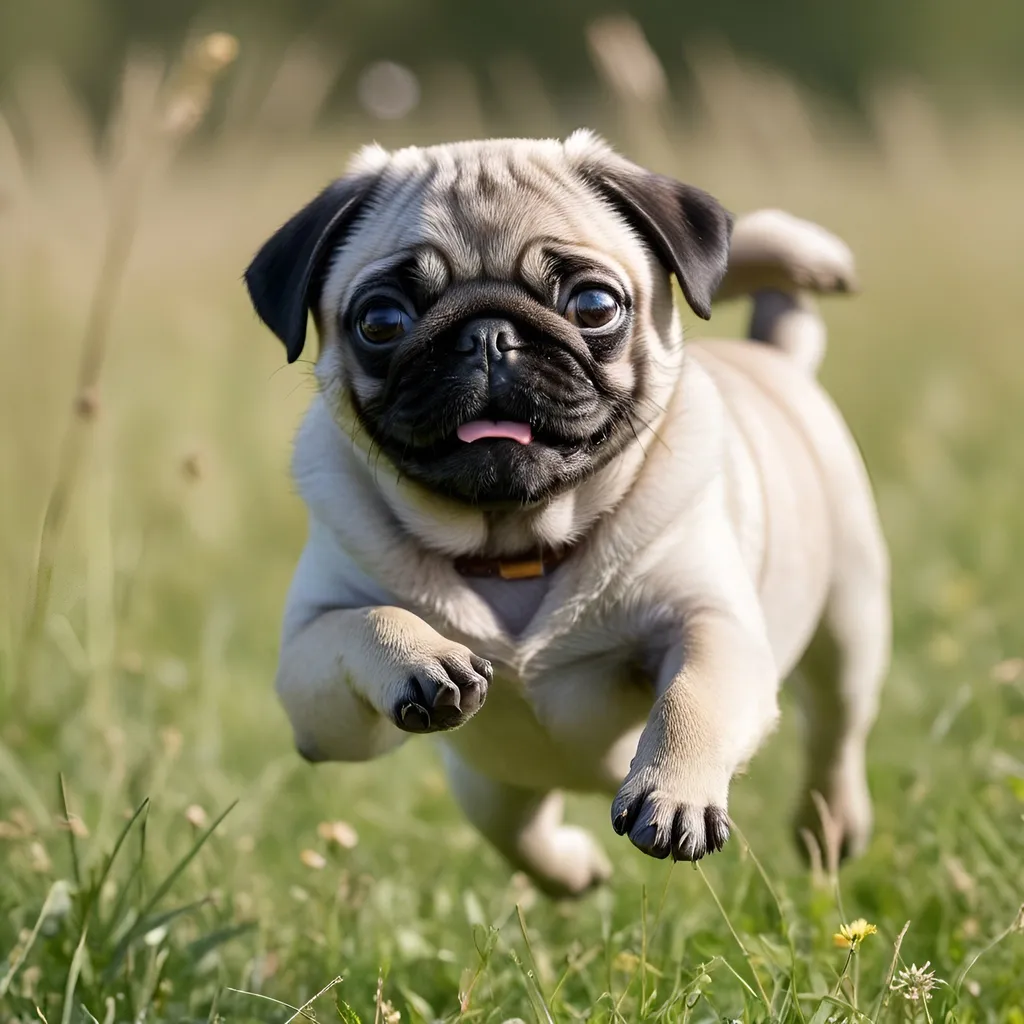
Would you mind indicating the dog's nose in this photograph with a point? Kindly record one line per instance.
(492, 337)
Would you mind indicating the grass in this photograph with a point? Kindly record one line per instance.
(166, 856)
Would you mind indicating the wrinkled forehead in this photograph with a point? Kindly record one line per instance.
(483, 211)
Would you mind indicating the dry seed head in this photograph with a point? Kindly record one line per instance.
(192, 467)
(73, 824)
(340, 832)
(185, 111)
(1008, 671)
(173, 741)
(196, 816)
(958, 875)
(87, 404)
(314, 860)
(131, 662)
(39, 858)
(20, 818)
(215, 52)
(624, 57)
(30, 978)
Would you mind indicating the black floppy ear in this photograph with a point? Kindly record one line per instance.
(285, 276)
(687, 228)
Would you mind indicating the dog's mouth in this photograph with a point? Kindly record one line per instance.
(480, 430)
(500, 455)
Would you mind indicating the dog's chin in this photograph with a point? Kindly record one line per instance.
(497, 473)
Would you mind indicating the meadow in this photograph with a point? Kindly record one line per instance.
(164, 853)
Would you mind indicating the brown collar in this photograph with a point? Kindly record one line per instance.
(540, 563)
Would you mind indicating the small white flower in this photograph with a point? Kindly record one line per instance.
(915, 983)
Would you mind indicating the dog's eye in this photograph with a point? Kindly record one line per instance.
(593, 308)
(380, 323)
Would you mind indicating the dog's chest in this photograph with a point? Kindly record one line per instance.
(571, 719)
(514, 602)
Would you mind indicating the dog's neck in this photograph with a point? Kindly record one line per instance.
(455, 529)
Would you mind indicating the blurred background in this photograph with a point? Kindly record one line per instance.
(835, 49)
(148, 529)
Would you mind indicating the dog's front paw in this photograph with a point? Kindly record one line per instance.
(665, 814)
(443, 692)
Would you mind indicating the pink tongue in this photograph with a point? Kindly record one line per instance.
(477, 430)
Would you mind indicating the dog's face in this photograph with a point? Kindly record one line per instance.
(497, 315)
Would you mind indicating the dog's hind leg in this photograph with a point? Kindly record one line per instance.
(839, 681)
(527, 828)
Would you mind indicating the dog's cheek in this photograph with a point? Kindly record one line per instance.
(342, 386)
(622, 376)
(368, 390)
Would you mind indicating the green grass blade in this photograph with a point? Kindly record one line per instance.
(530, 974)
(97, 889)
(533, 992)
(122, 897)
(200, 947)
(143, 926)
(58, 892)
(891, 972)
(346, 1013)
(19, 784)
(76, 870)
(72, 983)
(165, 886)
(739, 942)
(1016, 926)
(786, 927)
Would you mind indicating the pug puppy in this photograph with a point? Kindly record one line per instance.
(580, 552)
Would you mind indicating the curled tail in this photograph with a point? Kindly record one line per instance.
(783, 262)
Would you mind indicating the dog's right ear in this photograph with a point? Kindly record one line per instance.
(285, 277)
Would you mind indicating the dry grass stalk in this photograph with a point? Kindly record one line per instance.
(185, 103)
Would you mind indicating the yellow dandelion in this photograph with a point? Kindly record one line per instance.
(851, 935)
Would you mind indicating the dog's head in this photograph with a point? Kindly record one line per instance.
(496, 314)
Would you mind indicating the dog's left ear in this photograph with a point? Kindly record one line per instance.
(688, 229)
(285, 276)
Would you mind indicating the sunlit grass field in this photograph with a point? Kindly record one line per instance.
(148, 687)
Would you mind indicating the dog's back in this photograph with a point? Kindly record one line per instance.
(810, 499)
